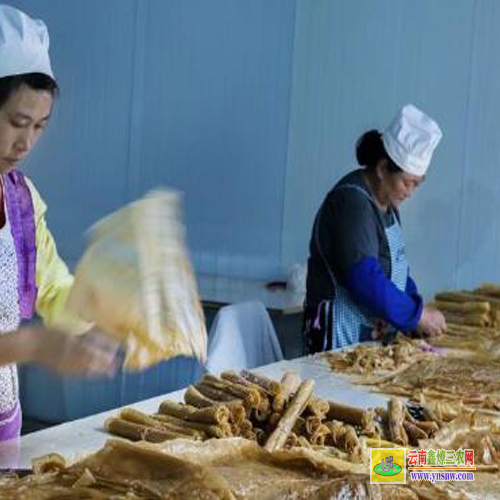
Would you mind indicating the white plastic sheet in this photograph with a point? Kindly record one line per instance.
(242, 337)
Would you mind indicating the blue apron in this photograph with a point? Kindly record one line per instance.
(351, 322)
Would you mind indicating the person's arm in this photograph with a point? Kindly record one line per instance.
(53, 279)
(368, 284)
(84, 355)
(16, 347)
(404, 310)
(432, 321)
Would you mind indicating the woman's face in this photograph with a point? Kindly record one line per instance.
(22, 119)
(398, 187)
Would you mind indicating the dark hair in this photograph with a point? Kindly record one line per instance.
(36, 81)
(370, 150)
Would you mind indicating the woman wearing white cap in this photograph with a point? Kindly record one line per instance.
(358, 276)
(32, 276)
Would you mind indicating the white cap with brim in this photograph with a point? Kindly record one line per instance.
(410, 140)
(24, 44)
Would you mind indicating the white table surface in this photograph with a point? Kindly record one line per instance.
(76, 438)
(224, 290)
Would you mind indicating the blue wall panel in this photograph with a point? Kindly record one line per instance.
(80, 165)
(479, 242)
(214, 116)
(193, 94)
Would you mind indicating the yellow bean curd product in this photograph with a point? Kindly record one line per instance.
(188, 452)
(136, 282)
(302, 421)
(217, 469)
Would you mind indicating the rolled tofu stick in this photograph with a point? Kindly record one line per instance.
(135, 416)
(278, 437)
(271, 386)
(49, 463)
(208, 429)
(396, 417)
(215, 394)
(175, 409)
(183, 429)
(463, 307)
(490, 289)
(138, 417)
(289, 385)
(178, 425)
(466, 297)
(213, 415)
(194, 397)
(467, 319)
(238, 379)
(250, 396)
(218, 414)
(138, 432)
(428, 427)
(344, 413)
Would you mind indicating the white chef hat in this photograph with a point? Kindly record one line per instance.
(410, 140)
(24, 44)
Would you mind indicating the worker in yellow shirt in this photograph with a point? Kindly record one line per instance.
(33, 278)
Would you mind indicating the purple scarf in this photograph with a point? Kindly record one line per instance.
(21, 215)
(10, 423)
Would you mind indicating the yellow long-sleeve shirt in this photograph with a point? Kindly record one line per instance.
(53, 279)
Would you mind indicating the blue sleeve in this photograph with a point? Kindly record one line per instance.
(368, 284)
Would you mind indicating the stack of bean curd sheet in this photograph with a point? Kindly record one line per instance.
(277, 415)
(473, 319)
(232, 444)
(461, 367)
(226, 469)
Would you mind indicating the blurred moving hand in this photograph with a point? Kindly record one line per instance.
(92, 354)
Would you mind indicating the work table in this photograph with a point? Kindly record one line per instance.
(76, 438)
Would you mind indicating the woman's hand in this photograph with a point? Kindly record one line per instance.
(432, 322)
(91, 354)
